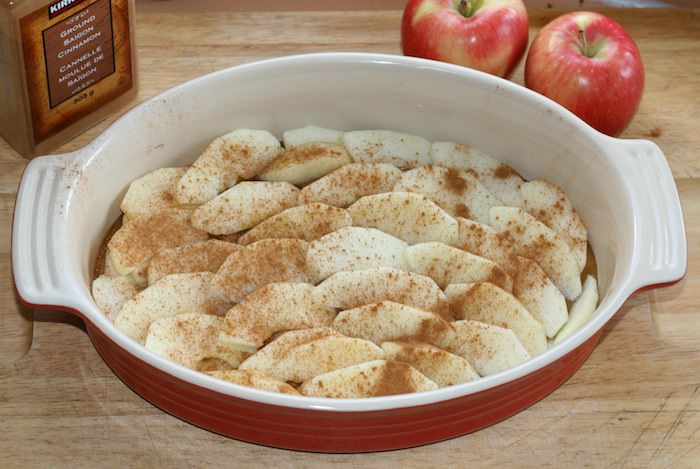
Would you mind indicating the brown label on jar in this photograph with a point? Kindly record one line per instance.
(77, 58)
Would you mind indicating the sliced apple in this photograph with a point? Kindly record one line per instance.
(440, 366)
(254, 379)
(487, 303)
(350, 289)
(197, 257)
(408, 216)
(131, 248)
(240, 154)
(323, 355)
(272, 308)
(369, 379)
(311, 134)
(244, 206)
(189, 338)
(170, 296)
(308, 222)
(455, 190)
(354, 248)
(536, 241)
(387, 320)
(260, 263)
(109, 268)
(446, 264)
(385, 146)
(484, 241)
(306, 163)
(265, 360)
(540, 296)
(110, 293)
(345, 185)
(489, 349)
(152, 192)
(581, 311)
(499, 178)
(550, 205)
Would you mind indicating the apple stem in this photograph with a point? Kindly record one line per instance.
(583, 44)
(465, 8)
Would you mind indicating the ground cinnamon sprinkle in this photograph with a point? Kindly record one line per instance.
(261, 263)
(395, 378)
(455, 183)
(479, 349)
(342, 187)
(140, 239)
(430, 331)
(498, 277)
(168, 197)
(307, 152)
(461, 210)
(503, 171)
(197, 257)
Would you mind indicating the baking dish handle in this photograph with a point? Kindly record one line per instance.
(39, 235)
(659, 230)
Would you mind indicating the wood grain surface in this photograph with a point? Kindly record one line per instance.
(635, 402)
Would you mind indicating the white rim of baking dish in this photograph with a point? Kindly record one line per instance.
(659, 254)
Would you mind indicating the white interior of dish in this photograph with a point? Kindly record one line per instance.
(359, 91)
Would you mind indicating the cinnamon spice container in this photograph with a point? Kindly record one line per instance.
(64, 66)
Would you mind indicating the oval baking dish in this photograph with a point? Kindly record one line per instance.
(623, 190)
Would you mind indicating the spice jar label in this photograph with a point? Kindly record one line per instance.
(77, 58)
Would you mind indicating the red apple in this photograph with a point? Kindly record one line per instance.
(587, 63)
(488, 35)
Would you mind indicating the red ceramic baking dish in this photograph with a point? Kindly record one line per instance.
(623, 190)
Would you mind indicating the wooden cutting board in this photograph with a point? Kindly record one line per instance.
(635, 403)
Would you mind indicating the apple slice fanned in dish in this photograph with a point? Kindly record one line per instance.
(482, 240)
(307, 222)
(440, 366)
(254, 379)
(306, 163)
(385, 146)
(197, 257)
(240, 154)
(265, 360)
(455, 190)
(380, 322)
(369, 379)
(498, 177)
(350, 289)
(540, 296)
(151, 192)
(322, 355)
(446, 264)
(581, 311)
(354, 248)
(243, 206)
(550, 205)
(272, 308)
(111, 292)
(133, 245)
(406, 215)
(189, 339)
(258, 264)
(170, 296)
(311, 134)
(345, 185)
(485, 302)
(489, 349)
(535, 240)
